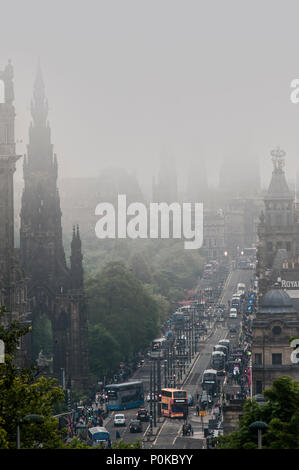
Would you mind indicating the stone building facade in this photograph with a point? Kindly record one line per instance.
(278, 230)
(13, 284)
(276, 322)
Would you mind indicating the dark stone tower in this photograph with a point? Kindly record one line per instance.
(13, 287)
(278, 229)
(54, 289)
(8, 159)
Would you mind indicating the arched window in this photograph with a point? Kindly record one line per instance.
(2, 92)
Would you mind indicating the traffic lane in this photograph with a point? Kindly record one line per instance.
(168, 433)
(236, 276)
(124, 431)
(171, 429)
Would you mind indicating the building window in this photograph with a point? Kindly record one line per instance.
(279, 245)
(276, 359)
(258, 359)
(269, 246)
(258, 386)
(288, 246)
(276, 330)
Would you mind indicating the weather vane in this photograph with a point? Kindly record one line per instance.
(278, 158)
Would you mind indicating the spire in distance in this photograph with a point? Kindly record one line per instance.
(39, 104)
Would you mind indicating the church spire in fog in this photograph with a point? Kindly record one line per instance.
(39, 103)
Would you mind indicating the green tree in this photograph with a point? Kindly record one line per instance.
(104, 353)
(22, 394)
(280, 412)
(120, 303)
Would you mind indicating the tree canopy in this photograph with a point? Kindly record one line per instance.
(123, 316)
(22, 394)
(280, 412)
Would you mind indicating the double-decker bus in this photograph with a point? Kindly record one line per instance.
(209, 381)
(225, 342)
(218, 360)
(158, 347)
(178, 320)
(223, 348)
(174, 403)
(125, 395)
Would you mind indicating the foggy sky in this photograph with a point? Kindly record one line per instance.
(125, 77)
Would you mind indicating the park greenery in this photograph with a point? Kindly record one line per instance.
(131, 297)
(132, 286)
(23, 393)
(280, 412)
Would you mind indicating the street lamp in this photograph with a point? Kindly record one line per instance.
(32, 418)
(259, 425)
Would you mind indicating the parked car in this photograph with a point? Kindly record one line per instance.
(119, 420)
(143, 415)
(135, 426)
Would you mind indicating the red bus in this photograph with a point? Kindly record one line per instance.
(174, 403)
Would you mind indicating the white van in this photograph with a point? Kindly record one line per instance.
(233, 313)
(241, 287)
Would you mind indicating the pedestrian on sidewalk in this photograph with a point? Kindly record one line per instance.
(197, 410)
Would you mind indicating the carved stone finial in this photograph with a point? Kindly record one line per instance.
(278, 158)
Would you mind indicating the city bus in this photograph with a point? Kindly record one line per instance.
(225, 342)
(158, 347)
(218, 360)
(174, 403)
(125, 395)
(209, 381)
(178, 320)
(223, 348)
(98, 435)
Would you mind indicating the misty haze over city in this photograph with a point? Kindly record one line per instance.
(124, 79)
(149, 227)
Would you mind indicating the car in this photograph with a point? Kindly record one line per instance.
(119, 420)
(135, 425)
(233, 313)
(143, 415)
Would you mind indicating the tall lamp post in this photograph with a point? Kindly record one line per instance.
(259, 425)
(33, 418)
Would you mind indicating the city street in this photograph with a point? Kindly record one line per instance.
(169, 434)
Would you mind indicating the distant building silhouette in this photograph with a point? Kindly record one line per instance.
(165, 188)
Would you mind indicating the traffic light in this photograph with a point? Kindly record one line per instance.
(249, 308)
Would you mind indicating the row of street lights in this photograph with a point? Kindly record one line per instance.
(171, 364)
